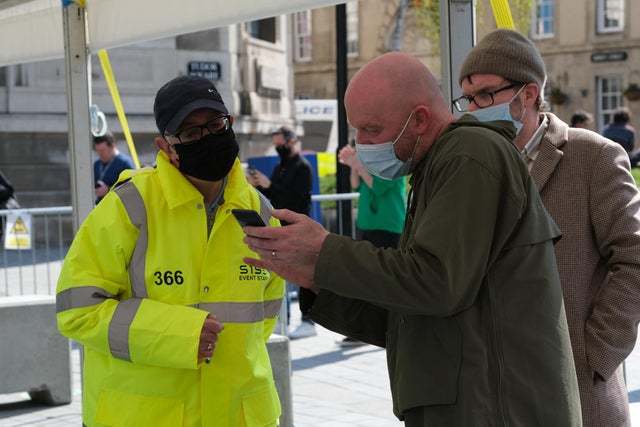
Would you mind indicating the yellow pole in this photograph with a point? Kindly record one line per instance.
(117, 102)
(502, 14)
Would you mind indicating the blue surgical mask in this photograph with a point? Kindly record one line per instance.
(380, 159)
(500, 112)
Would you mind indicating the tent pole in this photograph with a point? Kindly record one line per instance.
(457, 37)
(77, 74)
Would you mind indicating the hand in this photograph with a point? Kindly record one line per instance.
(347, 155)
(258, 179)
(102, 189)
(290, 251)
(208, 338)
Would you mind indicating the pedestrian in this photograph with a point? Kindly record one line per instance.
(288, 188)
(7, 201)
(469, 307)
(156, 272)
(620, 130)
(381, 208)
(586, 187)
(581, 119)
(110, 163)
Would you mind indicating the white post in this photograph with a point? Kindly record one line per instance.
(77, 70)
(457, 37)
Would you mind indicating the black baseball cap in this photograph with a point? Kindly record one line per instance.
(180, 97)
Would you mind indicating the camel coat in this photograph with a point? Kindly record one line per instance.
(585, 184)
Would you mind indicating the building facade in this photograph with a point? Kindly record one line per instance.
(250, 64)
(370, 27)
(592, 52)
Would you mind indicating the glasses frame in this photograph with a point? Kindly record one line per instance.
(472, 99)
(227, 125)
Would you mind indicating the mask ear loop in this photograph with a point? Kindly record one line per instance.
(524, 107)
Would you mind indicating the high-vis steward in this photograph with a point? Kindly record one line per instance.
(139, 280)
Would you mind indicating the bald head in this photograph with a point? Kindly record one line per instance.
(397, 80)
(396, 98)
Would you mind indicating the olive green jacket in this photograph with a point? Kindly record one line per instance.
(469, 307)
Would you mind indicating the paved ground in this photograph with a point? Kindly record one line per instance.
(332, 387)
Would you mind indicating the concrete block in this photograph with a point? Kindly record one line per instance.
(34, 357)
(278, 347)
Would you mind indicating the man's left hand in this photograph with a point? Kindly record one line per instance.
(290, 251)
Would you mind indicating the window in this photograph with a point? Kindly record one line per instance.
(610, 16)
(302, 35)
(609, 98)
(263, 29)
(3, 76)
(352, 28)
(542, 26)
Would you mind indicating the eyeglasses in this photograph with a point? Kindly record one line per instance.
(481, 99)
(218, 125)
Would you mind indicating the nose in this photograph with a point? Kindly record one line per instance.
(472, 107)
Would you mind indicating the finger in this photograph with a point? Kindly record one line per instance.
(266, 232)
(288, 216)
(213, 326)
(265, 245)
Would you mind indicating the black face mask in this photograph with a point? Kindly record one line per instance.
(211, 158)
(284, 151)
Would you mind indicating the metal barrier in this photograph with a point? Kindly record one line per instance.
(330, 205)
(36, 270)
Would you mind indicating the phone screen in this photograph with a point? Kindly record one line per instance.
(248, 217)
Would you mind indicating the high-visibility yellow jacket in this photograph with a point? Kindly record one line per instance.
(135, 288)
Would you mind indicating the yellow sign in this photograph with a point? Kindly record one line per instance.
(17, 234)
(326, 164)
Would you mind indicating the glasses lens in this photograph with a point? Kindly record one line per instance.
(461, 104)
(218, 125)
(190, 135)
(483, 100)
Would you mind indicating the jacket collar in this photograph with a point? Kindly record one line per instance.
(550, 150)
(177, 190)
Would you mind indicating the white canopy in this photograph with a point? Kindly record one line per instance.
(31, 30)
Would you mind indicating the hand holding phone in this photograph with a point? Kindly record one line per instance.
(247, 217)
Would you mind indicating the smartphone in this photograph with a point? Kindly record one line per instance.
(247, 217)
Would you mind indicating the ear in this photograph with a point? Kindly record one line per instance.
(163, 145)
(231, 120)
(531, 92)
(422, 117)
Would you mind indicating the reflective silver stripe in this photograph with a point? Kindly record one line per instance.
(241, 312)
(265, 208)
(133, 203)
(119, 328)
(81, 296)
(272, 308)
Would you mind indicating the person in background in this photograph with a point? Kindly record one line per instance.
(581, 119)
(381, 208)
(109, 164)
(288, 188)
(620, 130)
(586, 187)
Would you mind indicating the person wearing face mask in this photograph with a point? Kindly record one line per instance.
(288, 188)
(585, 185)
(469, 307)
(174, 323)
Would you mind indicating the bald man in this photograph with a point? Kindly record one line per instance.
(469, 307)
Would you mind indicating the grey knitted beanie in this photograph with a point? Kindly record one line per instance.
(508, 54)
